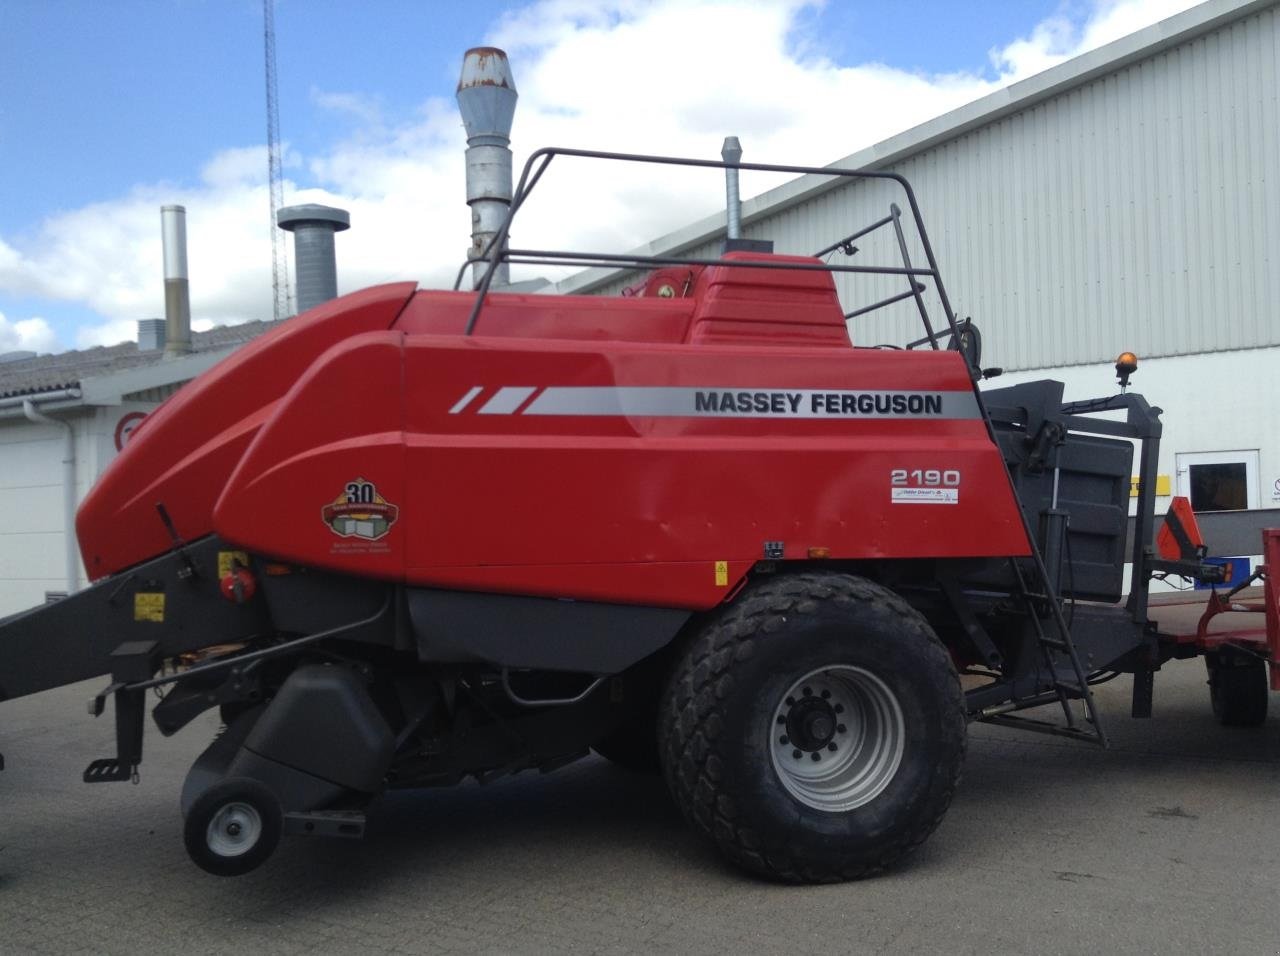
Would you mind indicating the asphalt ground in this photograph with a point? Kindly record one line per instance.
(1167, 843)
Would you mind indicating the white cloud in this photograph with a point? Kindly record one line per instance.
(1058, 38)
(670, 76)
(26, 335)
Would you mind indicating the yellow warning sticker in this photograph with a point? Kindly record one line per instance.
(227, 560)
(148, 607)
(722, 574)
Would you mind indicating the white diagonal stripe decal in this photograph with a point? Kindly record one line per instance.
(508, 399)
(466, 400)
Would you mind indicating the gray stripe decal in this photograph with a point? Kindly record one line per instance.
(672, 402)
(466, 399)
(508, 399)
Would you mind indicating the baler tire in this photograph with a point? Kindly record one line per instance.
(1238, 692)
(236, 801)
(736, 683)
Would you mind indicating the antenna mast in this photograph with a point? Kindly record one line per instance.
(281, 294)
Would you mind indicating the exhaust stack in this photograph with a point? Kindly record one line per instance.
(177, 294)
(731, 152)
(487, 101)
(313, 227)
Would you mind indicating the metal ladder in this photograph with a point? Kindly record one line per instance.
(1059, 655)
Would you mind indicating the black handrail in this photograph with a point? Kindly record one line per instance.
(496, 252)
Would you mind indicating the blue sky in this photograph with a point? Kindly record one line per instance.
(108, 110)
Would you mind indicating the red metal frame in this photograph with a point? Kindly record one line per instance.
(1265, 639)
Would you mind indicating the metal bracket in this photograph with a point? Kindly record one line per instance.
(330, 823)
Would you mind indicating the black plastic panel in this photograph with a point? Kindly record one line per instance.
(540, 633)
(322, 722)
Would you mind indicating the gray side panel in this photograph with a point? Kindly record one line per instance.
(541, 633)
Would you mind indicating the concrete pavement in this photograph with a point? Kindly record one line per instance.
(1168, 843)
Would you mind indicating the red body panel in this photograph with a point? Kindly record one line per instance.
(636, 450)
(183, 452)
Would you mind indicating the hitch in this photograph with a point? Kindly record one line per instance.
(131, 663)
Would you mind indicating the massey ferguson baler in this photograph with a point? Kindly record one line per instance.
(412, 537)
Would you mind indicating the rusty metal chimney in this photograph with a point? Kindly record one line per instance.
(315, 263)
(487, 101)
(177, 294)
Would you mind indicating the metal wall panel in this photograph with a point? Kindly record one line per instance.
(1139, 210)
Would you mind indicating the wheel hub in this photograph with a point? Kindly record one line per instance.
(234, 829)
(838, 736)
(811, 724)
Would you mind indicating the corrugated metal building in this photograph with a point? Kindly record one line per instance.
(1128, 199)
(1131, 194)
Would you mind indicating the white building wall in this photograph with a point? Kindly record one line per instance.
(32, 512)
(1219, 402)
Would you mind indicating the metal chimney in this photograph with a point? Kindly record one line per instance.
(487, 102)
(315, 262)
(177, 294)
(731, 152)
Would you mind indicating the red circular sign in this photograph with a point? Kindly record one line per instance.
(125, 427)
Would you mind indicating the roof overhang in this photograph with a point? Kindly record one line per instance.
(112, 388)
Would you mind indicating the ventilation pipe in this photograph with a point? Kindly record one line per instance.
(487, 102)
(150, 335)
(315, 262)
(731, 152)
(177, 294)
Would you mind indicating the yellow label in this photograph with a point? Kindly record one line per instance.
(227, 561)
(1164, 486)
(722, 574)
(148, 607)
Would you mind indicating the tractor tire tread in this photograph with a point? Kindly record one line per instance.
(703, 680)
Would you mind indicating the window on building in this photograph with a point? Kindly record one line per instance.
(1219, 481)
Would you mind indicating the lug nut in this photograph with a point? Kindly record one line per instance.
(807, 692)
(783, 740)
(840, 728)
(816, 756)
(797, 754)
(826, 695)
(832, 746)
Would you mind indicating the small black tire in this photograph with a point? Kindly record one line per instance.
(233, 827)
(1238, 691)
(803, 642)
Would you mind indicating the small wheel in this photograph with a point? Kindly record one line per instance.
(815, 730)
(233, 827)
(1238, 691)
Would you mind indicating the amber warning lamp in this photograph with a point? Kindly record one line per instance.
(1126, 365)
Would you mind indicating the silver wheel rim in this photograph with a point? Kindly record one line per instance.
(846, 727)
(234, 829)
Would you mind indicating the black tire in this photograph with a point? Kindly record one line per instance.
(233, 827)
(1238, 691)
(723, 737)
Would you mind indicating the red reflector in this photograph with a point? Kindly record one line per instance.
(1179, 537)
